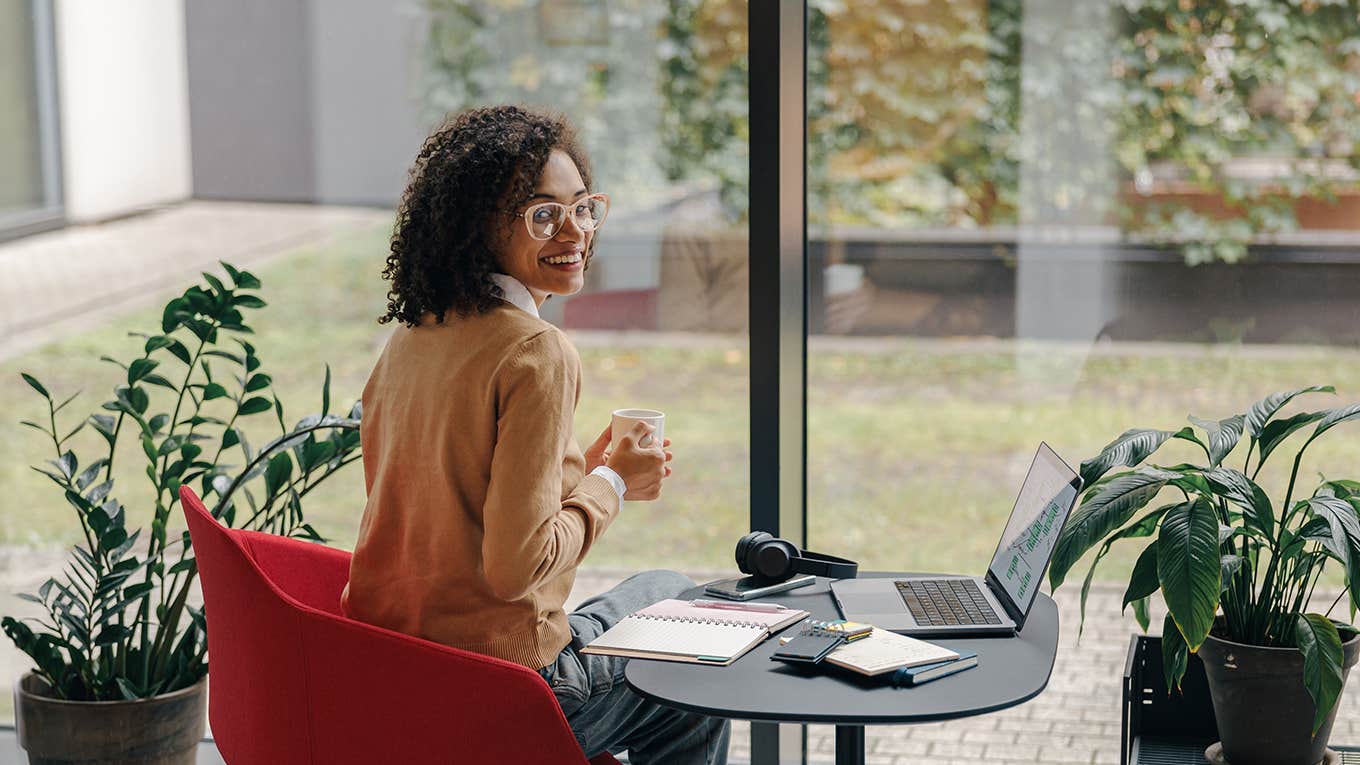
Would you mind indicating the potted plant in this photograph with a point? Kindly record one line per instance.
(119, 650)
(1236, 570)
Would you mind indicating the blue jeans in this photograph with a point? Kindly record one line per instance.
(604, 713)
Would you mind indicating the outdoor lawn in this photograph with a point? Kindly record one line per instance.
(917, 447)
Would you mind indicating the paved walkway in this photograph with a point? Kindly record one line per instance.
(59, 281)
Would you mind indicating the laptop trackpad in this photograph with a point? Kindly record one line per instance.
(873, 603)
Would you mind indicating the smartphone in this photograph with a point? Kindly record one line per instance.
(746, 587)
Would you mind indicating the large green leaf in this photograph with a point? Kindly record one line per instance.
(1276, 431)
(279, 470)
(1140, 613)
(1223, 435)
(1320, 645)
(1188, 568)
(1143, 582)
(1175, 654)
(1342, 522)
(1240, 490)
(1343, 488)
(1144, 527)
(1261, 412)
(1342, 539)
(1130, 448)
(1100, 514)
(1336, 417)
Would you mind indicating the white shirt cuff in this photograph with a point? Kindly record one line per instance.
(613, 478)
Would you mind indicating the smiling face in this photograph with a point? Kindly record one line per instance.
(553, 266)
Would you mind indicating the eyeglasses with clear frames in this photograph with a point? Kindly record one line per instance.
(545, 219)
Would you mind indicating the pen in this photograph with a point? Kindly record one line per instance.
(766, 607)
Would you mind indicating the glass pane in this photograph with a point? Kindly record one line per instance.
(21, 182)
(1038, 220)
(333, 104)
(658, 93)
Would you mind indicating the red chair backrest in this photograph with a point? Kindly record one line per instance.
(292, 681)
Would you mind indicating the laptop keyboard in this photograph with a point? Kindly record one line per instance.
(934, 602)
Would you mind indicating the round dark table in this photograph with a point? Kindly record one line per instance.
(1010, 671)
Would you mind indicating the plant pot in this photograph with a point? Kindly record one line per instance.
(1265, 715)
(163, 730)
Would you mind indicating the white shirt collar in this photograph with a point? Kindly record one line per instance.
(515, 293)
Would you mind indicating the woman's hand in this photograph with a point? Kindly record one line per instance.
(641, 468)
(597, 454)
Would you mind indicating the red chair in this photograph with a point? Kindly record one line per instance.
(292, 681)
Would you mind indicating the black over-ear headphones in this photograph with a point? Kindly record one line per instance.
(770, 559)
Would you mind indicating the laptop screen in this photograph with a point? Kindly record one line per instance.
(1045, 500)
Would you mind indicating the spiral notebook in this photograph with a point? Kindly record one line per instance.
(677, 630)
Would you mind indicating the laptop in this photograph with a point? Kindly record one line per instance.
(996, 604)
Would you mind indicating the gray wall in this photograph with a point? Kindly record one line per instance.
(364, 59)
(250, 106)
(303, 100)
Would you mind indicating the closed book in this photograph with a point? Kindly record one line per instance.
(884, 651)
(925, 673)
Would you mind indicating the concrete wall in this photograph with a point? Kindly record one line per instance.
(367, 128)
(303, 100)
(250, 102)
(124, 105)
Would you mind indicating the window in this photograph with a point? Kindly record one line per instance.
(28, 184)
(1057, 221)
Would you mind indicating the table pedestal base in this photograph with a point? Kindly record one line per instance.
(849, 745)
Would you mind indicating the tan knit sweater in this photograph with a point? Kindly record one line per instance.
(479, 509)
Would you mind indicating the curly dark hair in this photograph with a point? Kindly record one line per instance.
(471, 174)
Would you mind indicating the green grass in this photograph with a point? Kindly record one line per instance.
(917, 448)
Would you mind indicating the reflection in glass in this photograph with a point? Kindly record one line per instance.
(658, 93)
(1046, 220)
(21, 182)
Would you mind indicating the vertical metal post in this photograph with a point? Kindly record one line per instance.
(778, 297)
(849, 745)
(778, 256)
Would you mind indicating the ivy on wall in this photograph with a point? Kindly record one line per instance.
(1205, 122)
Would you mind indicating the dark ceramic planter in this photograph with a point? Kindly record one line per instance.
(164, 730)
(1265, 715)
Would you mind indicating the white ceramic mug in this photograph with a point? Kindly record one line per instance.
(623, 420)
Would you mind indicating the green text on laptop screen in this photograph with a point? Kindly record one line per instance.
(1027, 544)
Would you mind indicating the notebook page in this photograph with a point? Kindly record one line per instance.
(680, 638)
(682, 609)
(884, 650)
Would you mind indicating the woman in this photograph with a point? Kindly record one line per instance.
(481, 504)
